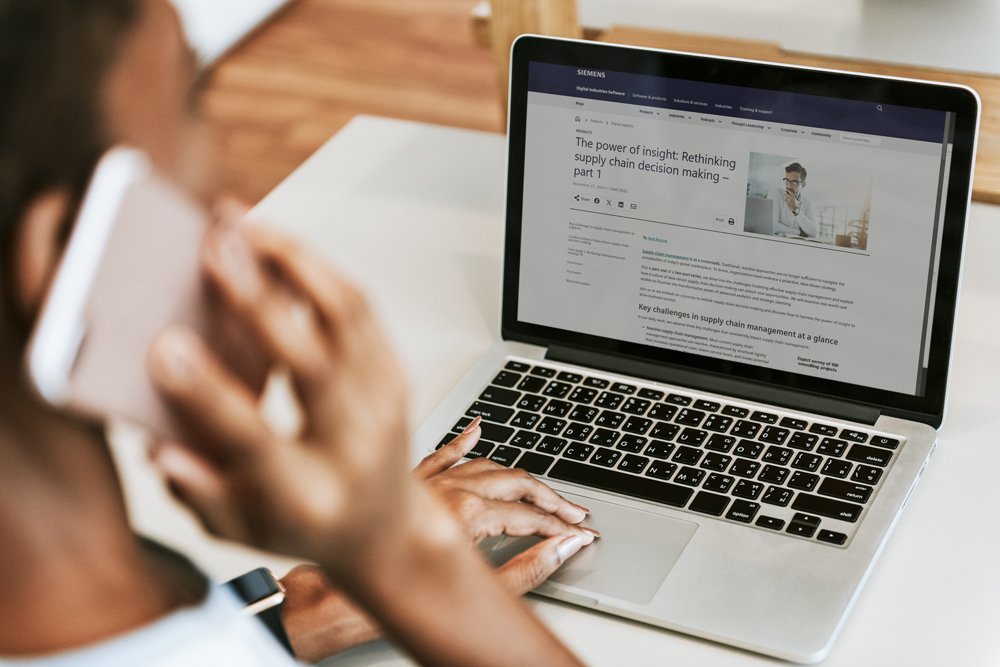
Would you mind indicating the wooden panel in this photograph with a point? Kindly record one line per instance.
(986, 187)
(274, 100)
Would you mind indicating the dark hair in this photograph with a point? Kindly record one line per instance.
(795, 166)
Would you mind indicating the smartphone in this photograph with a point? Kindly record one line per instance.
(131, 268)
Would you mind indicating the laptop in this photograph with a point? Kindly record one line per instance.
(759, 216)
(745, 416)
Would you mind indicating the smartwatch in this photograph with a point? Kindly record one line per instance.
(264, 596)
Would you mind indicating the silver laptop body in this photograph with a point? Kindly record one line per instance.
(693, 538)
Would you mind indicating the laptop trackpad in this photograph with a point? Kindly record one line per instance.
(631, 559)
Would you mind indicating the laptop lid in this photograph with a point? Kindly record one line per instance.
(631, 177)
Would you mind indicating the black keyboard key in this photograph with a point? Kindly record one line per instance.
(632, 443)
(717, 482)
(620, 482)
(446, 439)
(747, 489)
(494, 432)
(743, 511)
(707, 406)
(633, 463)
(777, 455)
(637, 425)
(687, 455)
(605, 437)
(582, 413)
(764, 417)
(661, 469)
(490, 412)
(635, 406)
(808, 462)
(664, 431)
(677, 399)
(718, 423)
(720, 443)
(835, 509)
(804, 441)
(551, 445)
(866, 475)
(663, 411)
(804, 481)
(854, 436)
(605, 457)
(733, 411)
(583, 395)
(482, 448)
(659, 449)
(544, 372)
(651, 394)
(532, 384)
(690, 417)
(609, 419)
(869, 455)
(530, 402)
(797, 424)
(557, 389)
(623, 388)
(832, 447)
(499, 395)
(835, 468)
(748, 449)
(579, 432)
(745, 429)
(692, 436)
(518, 366)
(608, 400)
(851, 491)
(578, 451)
(534, 463)
(803, 525)
(745, 468)
(596, 383)
(572, 378)
(770, 522)
(823, 429)
(831, 537)
(504, 455)
(557, 408)
(525, 439)
(882, 441)
(716, 461)
(689, 476)
(773, 435)
(776, 495)
(506, 379)
(774, 474)
(524, 420)
(709, 503)
(551, 426)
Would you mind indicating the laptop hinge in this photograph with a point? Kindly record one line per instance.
(792, 399)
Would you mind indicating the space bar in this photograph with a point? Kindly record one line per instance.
(619, 482)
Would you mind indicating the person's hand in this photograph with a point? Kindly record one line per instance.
(790, 201)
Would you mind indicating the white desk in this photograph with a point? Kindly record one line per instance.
(414, 213)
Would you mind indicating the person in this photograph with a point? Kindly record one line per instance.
(795, 212)
(391, 547)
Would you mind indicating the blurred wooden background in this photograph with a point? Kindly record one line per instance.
(279, 96)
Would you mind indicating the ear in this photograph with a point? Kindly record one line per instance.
(37, 248)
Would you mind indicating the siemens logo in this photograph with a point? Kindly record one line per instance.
(590, 72)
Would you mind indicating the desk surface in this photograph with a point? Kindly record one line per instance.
(414, 214)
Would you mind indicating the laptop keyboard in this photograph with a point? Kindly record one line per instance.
(765, 469)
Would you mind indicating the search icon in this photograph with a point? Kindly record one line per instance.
(879, 107)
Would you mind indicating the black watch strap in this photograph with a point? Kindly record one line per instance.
(264, 597)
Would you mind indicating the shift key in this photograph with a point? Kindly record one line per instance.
(871, 455)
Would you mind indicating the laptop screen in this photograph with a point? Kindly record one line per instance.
(783, 231)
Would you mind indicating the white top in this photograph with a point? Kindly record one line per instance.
(213, 634)
(805, 223)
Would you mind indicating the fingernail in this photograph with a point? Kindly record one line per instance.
(236, 258)
(569, 546)
(174, 357)
(471, 427)
(582, 509)
(591, 531)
